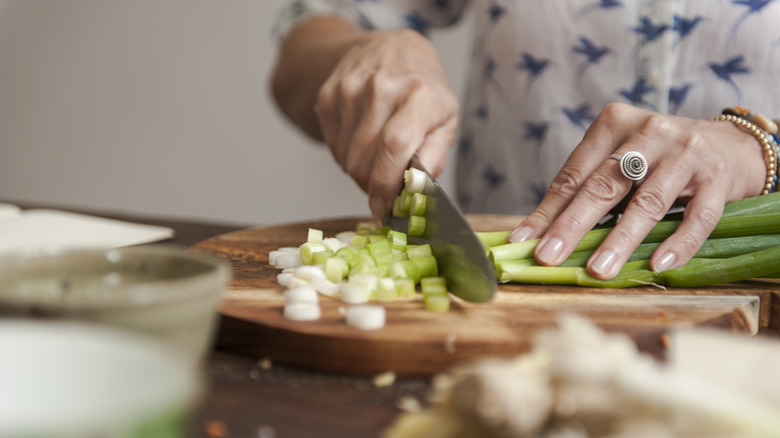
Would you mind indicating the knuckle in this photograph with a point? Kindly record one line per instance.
(687, 243)
(570, 223)
(623, 238)
(695, 146)
(650, 203)
(325, 98)
(566, 182)
(659, 124)
(706, 217)
(614, 113)
(381, 85)
(602, 188)
(396, 139)
(350, 86)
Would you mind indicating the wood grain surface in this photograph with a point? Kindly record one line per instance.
(416, 342)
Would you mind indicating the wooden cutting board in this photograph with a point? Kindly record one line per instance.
(416, 342)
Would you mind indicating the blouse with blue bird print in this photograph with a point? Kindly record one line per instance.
(542, 70)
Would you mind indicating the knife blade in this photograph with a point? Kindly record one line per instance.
(459, 253)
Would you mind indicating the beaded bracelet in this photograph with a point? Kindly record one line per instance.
(765, 131)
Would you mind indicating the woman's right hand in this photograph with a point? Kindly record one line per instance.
(387, 98)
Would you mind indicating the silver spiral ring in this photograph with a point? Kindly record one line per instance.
(633, 165)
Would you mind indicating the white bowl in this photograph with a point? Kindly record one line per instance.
(69, 379)
(168, 293)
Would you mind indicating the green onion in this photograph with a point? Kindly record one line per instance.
(493, 238)
(713, 271)
(427, 266)
(433, 285)
(397, 240)
(404, 287)
(415, 251)
(416, 226)
(419, 202)
(744, 244)
(320, 257)
(437, 303)
(307, 252)
(315, 235)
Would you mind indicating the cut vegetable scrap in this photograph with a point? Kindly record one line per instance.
(385, 379)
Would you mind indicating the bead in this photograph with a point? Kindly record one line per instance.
(767, 138)
(738, 111)
(742, 111)
(765, 123)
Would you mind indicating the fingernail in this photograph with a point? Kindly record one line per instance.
(549, 250)
(378, 207)
(665, 262)
(603, 262)
(521, 234)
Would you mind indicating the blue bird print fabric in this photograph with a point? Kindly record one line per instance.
(542, 70)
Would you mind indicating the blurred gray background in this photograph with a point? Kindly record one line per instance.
(162, 107)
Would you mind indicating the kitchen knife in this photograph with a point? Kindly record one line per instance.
(459, 254)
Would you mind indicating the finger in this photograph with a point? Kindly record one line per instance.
(601, 139)
(600, 193)
(701, 215)
(326, 109)
(366, 139)
(350, 98)
(649, 205)
(406, 131)
(433, 152)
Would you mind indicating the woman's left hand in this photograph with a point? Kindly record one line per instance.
(701, 164)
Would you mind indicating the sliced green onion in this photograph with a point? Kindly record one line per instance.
(385, 290)
(433, 285)
(303, 294)
(336, 269)
(397, 240)
(366, 316)
(302, 311)
(404, 287)
(368, 280)
(354, 293)
(404, 269)
(427, 266)
(365, 227)
(416, 226)
(419, 202)
(402, 203)
(320, 257)
(359, 241)
(437, 303)
(345, 253)
(315, 235)
(414, 180)
(415, 251)
(307, 252)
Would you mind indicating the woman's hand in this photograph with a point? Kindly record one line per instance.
(387, 98)
(698, 163)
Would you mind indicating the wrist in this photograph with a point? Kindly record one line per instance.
(765, 131)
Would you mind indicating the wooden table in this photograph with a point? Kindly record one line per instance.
(249, 398)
